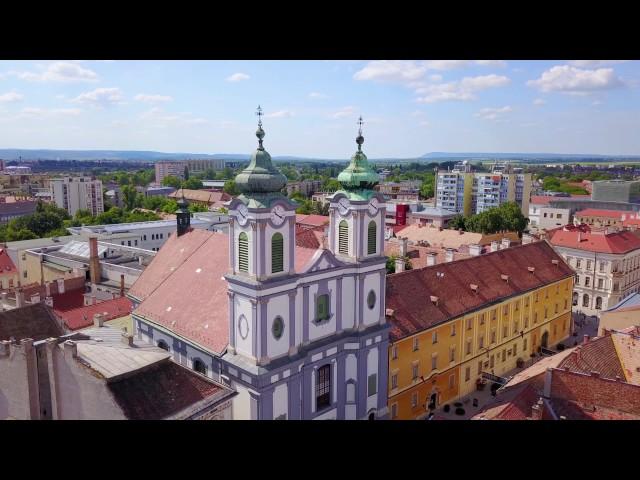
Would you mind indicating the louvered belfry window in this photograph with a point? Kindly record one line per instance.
(343, 238)
(371, 238)
(243, 252)
(277, 258)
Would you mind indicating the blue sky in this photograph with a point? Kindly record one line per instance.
(311, 107)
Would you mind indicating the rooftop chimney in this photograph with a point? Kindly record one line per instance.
(127, 339)
(70, 349)
(98, 320)
(585, 339)
(494, 246)
(505, 278)
(399, 264)
(526, 239)
(431, 259)
(434, 300)
(475, 249)
(403, 246)
(19, 297)
(449, 255)
(506, 243)
(94, 261)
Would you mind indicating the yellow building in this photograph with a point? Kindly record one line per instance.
(453, 321)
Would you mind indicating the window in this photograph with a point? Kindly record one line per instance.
(452, 354)
(515, 327)
(453, 330)
(394, 380)
(434, 362)
(479, 367)
(343, 238)
(598, 303)
(323, 387)
(163, 345)
(153, 236)
(434, 337)
(504, 354)
(526, 302)
(588, 264)
(578, 262)
(524, 346)
(415, 343)
(546, 312)
(243, 252)
(128, 243)
(566, 304)
(577, 279)
(585, 300)
(371, 300)
(600, 283)
(505, 310)
(481, 341)
(144, 237)
(515, 348)
(556, 310)
(469, 323)
(277, 328)
(526, 322)
(394, 352)
(394, 410)
(535, 317)
(135, 243)
(516, 306)
(491, 361)
(587, 281)
(505, 331)
(601, 266)
(493, 336)
(493, 314)
(24, 274)
(468, 349)
(199, 366)
(536, 297)
(467, 374)
(277, 253)
(371, 238)
(415, 370)
(322, 308)
(482, 319)
(414, 399)
(372, 386)
(452, 380)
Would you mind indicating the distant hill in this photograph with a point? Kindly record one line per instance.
(524, 156)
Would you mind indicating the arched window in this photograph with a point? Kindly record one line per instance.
(371, 239)
(323, 387)
(343, 238)
(199, 366)
(598, 303)
(163, 345)
(277, 259)
(585, 300)
(243, 252)
(575, 298)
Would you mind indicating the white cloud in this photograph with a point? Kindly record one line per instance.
(280, 114)
(238, 77)
(318, 95)
(101, 97)
(594, 63)
(453, 64)
(34, 112)
(11, 97)
(59, 72)
(576, 81)
(401, 71)
(493, 113)
(147, 98)
(435, 78)
(464, 89)
(539, 101)
(344, 112)
(491, 63)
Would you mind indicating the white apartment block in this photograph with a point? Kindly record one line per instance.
(76, 193)
(176, 168)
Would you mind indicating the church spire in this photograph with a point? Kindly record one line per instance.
(359, 176)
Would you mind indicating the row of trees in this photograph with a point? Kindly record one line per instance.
(508, 217)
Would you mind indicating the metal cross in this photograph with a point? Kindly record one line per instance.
(259, 114)
(360, 122)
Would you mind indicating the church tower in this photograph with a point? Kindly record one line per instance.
(183, 216)
(357, 211)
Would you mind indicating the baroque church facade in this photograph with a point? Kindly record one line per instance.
(307, 336)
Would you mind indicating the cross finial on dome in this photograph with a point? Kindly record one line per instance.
(360, 138)
(259, 114)
(260, 131)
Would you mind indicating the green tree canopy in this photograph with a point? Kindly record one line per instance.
(171, 181)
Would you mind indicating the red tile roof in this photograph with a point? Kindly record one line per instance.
(418, 254)
(594, 212)
(82, 317)
(161, 392)
(313, 221)
(514, 404)
(409, 293)
(541, 199)
(306, 237)
(6, 264)
(33, 321)
(598, 355)
(595, 241)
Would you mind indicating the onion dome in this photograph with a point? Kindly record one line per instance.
(359, 175)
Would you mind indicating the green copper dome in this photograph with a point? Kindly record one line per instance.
(260, 176)
(359, 175)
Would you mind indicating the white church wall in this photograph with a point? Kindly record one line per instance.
(241, 403)
(281, 400)
(348, 302)
(328, 327)
(372, 368)
(277, 306)
(371, 282)
(243, 309)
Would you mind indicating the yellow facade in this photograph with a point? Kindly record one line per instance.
(466, 346)
(31, 265)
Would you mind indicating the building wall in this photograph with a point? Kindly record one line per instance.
(75, 193)
(618, 320)
(525, 321)
(550, 217)
(599, 221)
(18, 383)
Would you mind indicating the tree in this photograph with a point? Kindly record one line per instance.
(331, 185)
(186, 172)
(171, 181)
(192, 184)
(231, 188)
(427, 188)
(197, 207)
(457, 222)
(129, 196)
(170, 206)
(391, 263)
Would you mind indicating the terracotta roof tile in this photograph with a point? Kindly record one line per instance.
(82, 317)
(6, 264)
(33, 321)
(408, 293)
(595, 241)
(594, 212)
(598, 355)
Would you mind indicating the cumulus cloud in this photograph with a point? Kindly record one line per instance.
(36, 112)
(344, 112)
(10, 97)
(539, 101)
(464, 89)
(100, 97)
(493, 113)
(401, 71)
(280, 114)
(147, 98)
(576, 81)
(238, 77)
(59, 72)
(318, 95)
(594, 63)
(454, 64)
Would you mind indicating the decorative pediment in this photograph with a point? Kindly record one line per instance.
(323, 260)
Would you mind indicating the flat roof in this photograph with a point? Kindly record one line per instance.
(124, 227)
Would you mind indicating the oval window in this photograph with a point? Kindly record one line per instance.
(278, 328)
(243, 327)
(371, 299)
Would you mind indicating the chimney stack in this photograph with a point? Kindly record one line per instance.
(536, 410)
(98, 320)
(19, 297)
(122, 284)
(475, 249)
(431, 259)
(449, 255)
(403, 246)
(399, 264)
(494, 246)
(70, 349)
(127, 339)
(506, 243)
(585, 339)
(94, 261)
(526, 239)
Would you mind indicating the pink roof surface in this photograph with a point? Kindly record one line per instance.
(595, 212)
(82, 317)
(184, 289)
(541, 199)
(312, 220)
(618, 242)
(6, 264)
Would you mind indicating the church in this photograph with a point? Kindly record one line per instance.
(299, 333)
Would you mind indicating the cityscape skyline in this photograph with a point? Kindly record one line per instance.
(410, 108)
